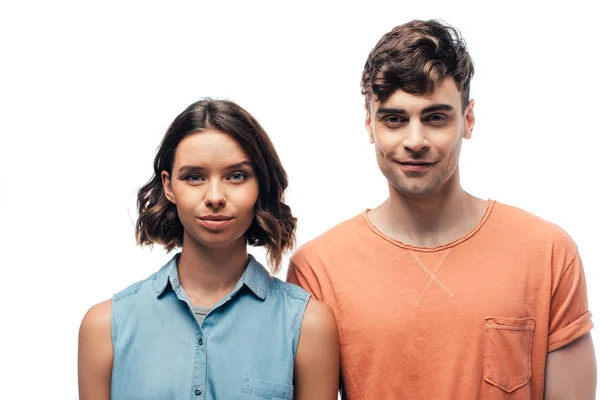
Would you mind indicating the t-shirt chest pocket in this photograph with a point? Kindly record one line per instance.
(507, 352)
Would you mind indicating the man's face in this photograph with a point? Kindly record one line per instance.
(418, 138)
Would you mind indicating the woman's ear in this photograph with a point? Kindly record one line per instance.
(166, 184)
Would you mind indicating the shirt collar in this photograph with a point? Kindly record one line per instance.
(163, 275)
(255, 277)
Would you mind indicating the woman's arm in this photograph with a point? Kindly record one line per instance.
(95, 353)
(316, 373)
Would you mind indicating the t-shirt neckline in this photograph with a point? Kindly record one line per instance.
(403, 245)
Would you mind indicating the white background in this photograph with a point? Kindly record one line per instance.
(87, 90)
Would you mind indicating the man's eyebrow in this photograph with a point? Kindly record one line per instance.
(437, 107)
(387, 110)
(426, 110)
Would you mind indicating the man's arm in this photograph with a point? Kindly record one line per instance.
(571, 371)
(570, 362)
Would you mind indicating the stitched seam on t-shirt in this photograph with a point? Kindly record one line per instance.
(574, 326)
(569, 266)
(510, 328)
(432, 276)
(306, 280)
(488, 212)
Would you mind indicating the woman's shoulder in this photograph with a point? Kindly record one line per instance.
(154, 283)
(96, 326)
(289, 289)
(98, 317)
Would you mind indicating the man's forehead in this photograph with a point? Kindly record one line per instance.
(445, 93)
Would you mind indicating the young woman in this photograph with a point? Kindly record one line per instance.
(212, 323)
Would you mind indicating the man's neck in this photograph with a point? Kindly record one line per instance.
(208, 274)
(431, 221)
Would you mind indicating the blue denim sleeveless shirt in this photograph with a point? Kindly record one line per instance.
(244, 349)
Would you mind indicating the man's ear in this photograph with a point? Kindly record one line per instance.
(166, 184)
(368, 122)
(469, 120)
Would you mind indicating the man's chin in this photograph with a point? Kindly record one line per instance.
(415, 192)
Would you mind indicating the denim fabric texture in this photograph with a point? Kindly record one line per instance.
(244, 349)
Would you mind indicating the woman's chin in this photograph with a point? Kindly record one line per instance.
(219, 240)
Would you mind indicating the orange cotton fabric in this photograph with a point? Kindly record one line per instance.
(473, 319)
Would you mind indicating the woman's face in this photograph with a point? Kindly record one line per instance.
(214, 188)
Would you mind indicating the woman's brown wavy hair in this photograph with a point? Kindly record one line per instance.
(415, 57)
(273, 226)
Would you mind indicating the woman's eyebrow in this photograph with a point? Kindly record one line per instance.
(198, 168)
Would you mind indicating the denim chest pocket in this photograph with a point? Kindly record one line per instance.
(507, 352)
(258, 389)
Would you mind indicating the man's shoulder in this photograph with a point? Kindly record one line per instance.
(522, 224)
(331, 241)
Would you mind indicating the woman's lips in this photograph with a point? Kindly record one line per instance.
(215, 223)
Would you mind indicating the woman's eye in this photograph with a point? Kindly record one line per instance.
(193, 178)
(238, 176)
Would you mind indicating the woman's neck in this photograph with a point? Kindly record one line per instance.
(207, 274)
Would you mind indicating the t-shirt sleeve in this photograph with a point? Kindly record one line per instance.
(301, 274)
(569, 314)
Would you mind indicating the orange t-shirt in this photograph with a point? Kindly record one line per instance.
(473, 319)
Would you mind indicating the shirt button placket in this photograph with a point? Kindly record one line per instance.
(199, 384)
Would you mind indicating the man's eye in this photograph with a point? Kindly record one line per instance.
(393, 121)
(437, 118)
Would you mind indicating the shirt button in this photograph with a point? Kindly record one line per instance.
(197, 392)
(200, 341)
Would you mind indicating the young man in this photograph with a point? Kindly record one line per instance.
(439, 294)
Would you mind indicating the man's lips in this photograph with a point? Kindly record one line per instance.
(416, 166)
(414, 162)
